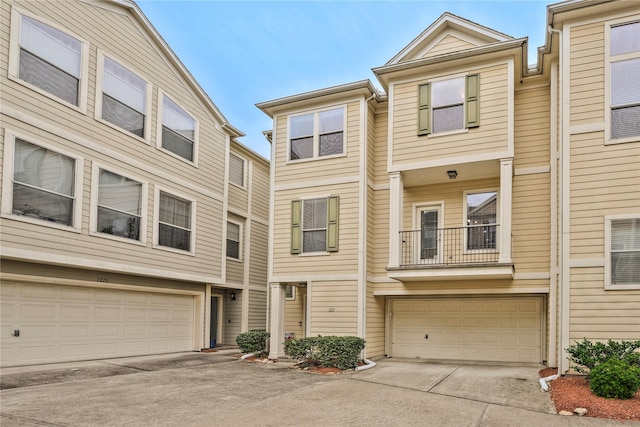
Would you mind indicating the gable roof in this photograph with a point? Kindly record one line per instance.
(449, 25)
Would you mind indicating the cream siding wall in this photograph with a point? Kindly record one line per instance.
(604, 180)
(80, 133)
(257, 309)
(375, 323)
(238, 198)
(258, 255)
(447, 45)
(491, 136)
(232, 317)
(335, 308)
(532, 128)
(294, 314)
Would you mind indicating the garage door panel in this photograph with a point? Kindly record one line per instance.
(491, 329)
(66, 323)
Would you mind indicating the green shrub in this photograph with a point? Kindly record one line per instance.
(332, 351)
(615, 379)
(253, 341)
(587, 355)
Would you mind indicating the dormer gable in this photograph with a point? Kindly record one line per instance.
(448, 34)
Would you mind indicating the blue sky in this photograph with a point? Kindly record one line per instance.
(246, 52)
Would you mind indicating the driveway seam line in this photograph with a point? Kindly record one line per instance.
(32, 420)
(447, 376)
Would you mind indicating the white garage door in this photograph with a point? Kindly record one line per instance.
(67, 323)
(482, 329)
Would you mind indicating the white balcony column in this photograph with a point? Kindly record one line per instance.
(506, 187)
(276, 321)
(396, 188)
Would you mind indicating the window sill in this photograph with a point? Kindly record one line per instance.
(622, 140)
(238, 260)
(241, 187)
(622, 287)
(193, 163)
(117, 238)
(451, 132)
(310, 254)
(41, 222)
(123, 131)
(79, 108)
(311, 159)
(174, 250)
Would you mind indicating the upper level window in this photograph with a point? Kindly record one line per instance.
(124, 98)
(448, 105)
(178, 129)
(174, 222)
(119, 205)
(314, 225)
(50, 59)
(623, 251)
(236, 170)
(625, 81)
(43, 184)
(233, 240)
(481, 216)
(316, 134)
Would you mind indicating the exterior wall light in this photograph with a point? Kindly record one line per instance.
(233, 296)
(452, 174)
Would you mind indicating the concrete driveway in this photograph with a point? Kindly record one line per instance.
(215, 389)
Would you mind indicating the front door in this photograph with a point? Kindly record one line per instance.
(213, 326)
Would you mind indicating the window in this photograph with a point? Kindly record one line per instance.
(448, 105)
(317, 134)
(481, 217)
(174, 222)
(43, 184)
(289, 293)
(625, 81)
(124, 98)
(233, 240)
(236, 170)
(178, 129)
(623, 247)
(119, 210)
(314, 225)
(49, 59)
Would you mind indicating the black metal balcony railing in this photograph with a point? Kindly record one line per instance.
(447, 246)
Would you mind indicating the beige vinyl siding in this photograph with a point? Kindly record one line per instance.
(531, 219)
(320, 168)
(448, 44)
(587, 73)
(260, 190)
(490, 137)
(258, 254)
(468, 286)
(532, 128)
(371, 140)
(600, 315)
(375, 324)
(379, 241)
(238, 198)
(343, 261)
(381, 154)
(257, 309)
(232, 317)
(335, 308)
(294, 314)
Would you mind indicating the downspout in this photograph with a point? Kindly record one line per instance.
(562, 155)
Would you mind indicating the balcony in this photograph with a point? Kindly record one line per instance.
(451, 254)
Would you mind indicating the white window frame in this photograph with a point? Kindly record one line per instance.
(464, 113)
(196, 132)
(316, 134)
(100, 92)
(244, 171)
(608, 219)
(7, 182)
(293, 293)
(465, 209)
(607, 79)
(95, 193)
(302, 200)
(14, 59)
(240, 239)
(156, 220)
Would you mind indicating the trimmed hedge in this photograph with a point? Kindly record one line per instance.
(253, 341)
(615, 379)
(326, 352)
(587, 355)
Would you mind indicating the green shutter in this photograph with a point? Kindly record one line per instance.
(424, 112)
(296, 226)
(472, 104)
(333, 212)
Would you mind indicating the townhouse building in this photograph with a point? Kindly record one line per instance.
(477, 207)
(133, 220)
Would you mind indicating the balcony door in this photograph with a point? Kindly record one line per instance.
(430, 243)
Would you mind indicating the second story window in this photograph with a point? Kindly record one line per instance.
(50, 60)
(317, 134)
(233, 240)
(448, 105)
(174, 222)
(43, 184)
(314, 225)
(124, 98)
(236, 170)
(481, 215)
(178, 129)
(119, 205)
(625, 81)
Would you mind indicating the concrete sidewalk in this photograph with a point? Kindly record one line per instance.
(214, 389)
